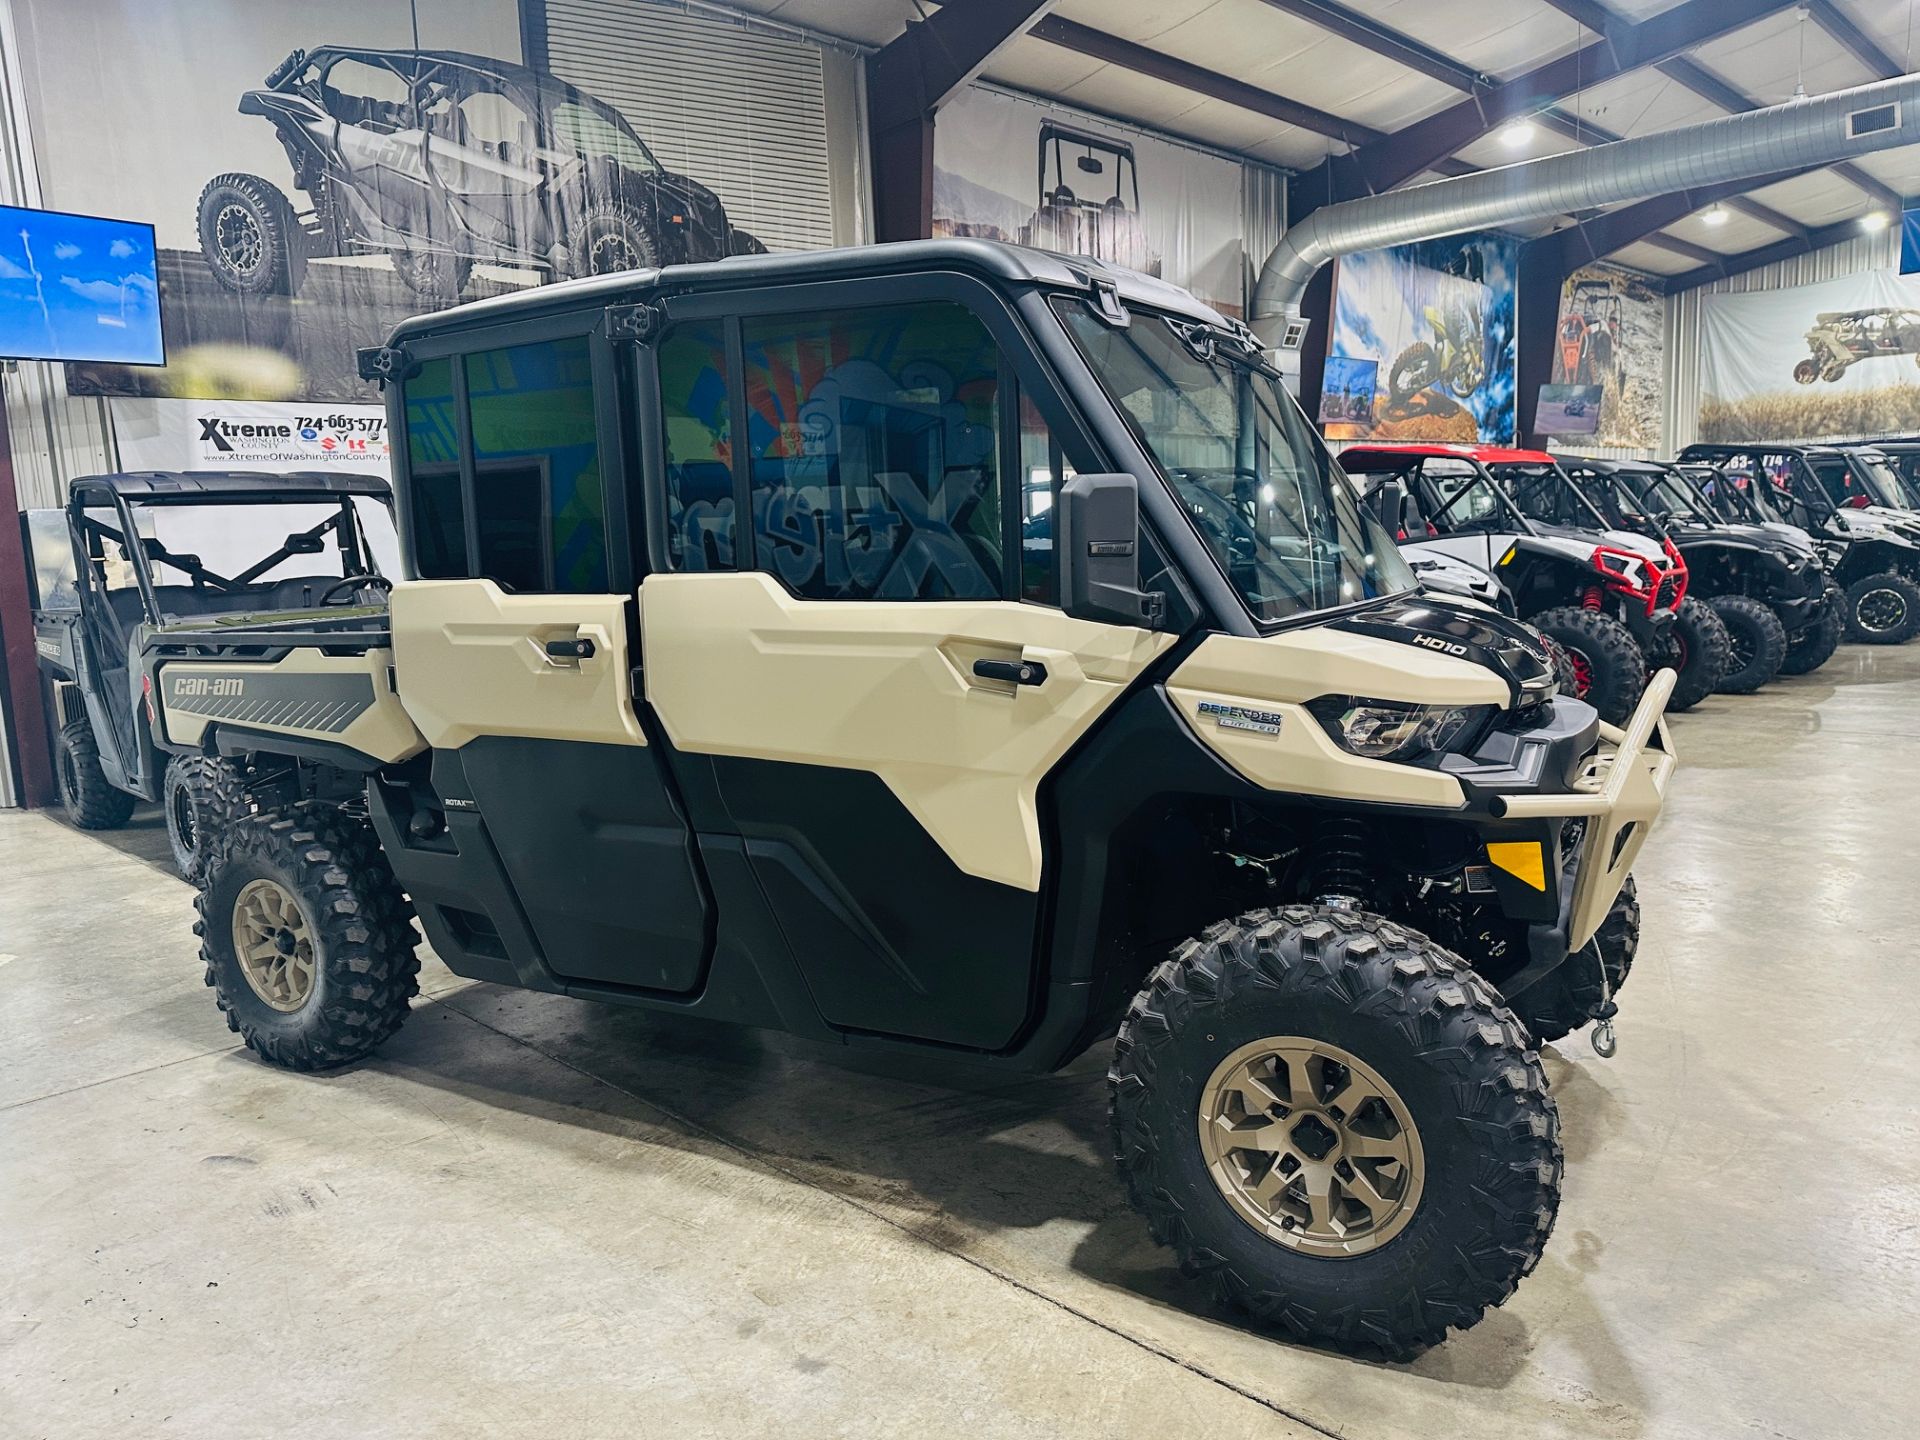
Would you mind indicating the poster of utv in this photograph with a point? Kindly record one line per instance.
(439, 160)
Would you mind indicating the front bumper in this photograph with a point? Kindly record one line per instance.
(1619, 794)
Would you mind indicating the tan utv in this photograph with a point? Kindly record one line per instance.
(950, 647)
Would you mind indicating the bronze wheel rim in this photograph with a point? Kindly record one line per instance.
(1311, 1147)
(274, 944)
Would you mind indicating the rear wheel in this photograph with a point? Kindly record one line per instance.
(1815, 643)
(1756, 640)
(202, 795)
(307, 940)
(1609, 671)
(1883, 609)
(1698, 648)
(90, 799)
(1336, 1125)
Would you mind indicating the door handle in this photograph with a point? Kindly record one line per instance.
(579, 647)
(1014, 672)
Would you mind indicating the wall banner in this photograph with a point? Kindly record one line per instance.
(1612, 333)
(1835, 360)
(1423, 343)
(1010, 169)
(315, 178)
(249, 434)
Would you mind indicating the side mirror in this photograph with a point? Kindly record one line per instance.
(1097, 542)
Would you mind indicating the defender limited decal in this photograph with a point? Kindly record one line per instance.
(1238, 717)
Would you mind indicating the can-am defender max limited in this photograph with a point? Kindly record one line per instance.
(723, 684)
(1769, 591)
(1872, 549)
(1606, 597)
(135, 556)
(441, 161)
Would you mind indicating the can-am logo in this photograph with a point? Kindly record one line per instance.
(1434, 642)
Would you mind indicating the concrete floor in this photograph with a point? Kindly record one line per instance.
(533, 1216)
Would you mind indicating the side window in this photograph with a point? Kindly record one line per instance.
(370, 96)
(1043, 470)
(872, 440)
(537, 491)
(433, 474)
(695, 410)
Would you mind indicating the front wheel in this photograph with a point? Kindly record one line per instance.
(250, 236)
(612, 238)
(1610, 672)
(1699, 648)
(1816, 642)
(202, 795)
(307, 940)
(1883, 609)
(1336, 1125)
(1757, 642)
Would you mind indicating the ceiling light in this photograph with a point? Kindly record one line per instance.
(1714, 215)
(1874, 220)
(1517, 135)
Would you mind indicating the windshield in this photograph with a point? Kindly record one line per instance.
(1877, 480)
(1251, 473)
(1905, 467)
(229, 543)
(1542, 492)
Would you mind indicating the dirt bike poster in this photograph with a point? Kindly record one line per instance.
(1011, 169)
(1436, 320)
(1833, 360)
(1611, 332)
(315, 176)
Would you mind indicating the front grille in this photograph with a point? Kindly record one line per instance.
(1668, 593)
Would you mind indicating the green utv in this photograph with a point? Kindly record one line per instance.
(945, 646)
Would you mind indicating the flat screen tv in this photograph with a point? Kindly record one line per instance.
(1347, 390)
(1568, 410)
(78, 287)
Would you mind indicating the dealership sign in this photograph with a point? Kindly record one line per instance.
(247, 434)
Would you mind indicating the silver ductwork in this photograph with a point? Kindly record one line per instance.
(1793, 136)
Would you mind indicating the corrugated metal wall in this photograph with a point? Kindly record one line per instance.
(1866, 252)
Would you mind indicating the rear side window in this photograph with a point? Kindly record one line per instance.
(433, 474)
(872, 446)
(696, 412)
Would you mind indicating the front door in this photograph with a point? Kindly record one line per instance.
(515, 656)
(841, 634)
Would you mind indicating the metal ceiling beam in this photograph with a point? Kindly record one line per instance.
(1382, 164)
(1724, 266)
(1699, 254)
(1597, 238)
(1855, 41)
(907, 81)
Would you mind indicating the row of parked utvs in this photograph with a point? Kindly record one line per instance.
(1732, 565)
(1177, 753)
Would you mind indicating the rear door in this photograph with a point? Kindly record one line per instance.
(514, 651)
(850, 631)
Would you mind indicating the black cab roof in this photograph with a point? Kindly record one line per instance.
(1004, 264)
(185, 486)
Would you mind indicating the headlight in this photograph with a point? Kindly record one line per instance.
(1394, 730)
(1622, 565)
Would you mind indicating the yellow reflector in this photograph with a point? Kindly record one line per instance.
(1512, 550)
(1523, 859)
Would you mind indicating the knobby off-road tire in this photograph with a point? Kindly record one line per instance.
(1434, 1034)
(1612, 670)
(90, 799)
(335, 916)
(1757, 642)
(250, 237)
(1565, 680)
(611, 238)
(1815, 643)
(1562, 1005)
(1699, 650)
(201, 795)
(1883, 610)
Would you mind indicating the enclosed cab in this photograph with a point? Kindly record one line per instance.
(942, 646)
